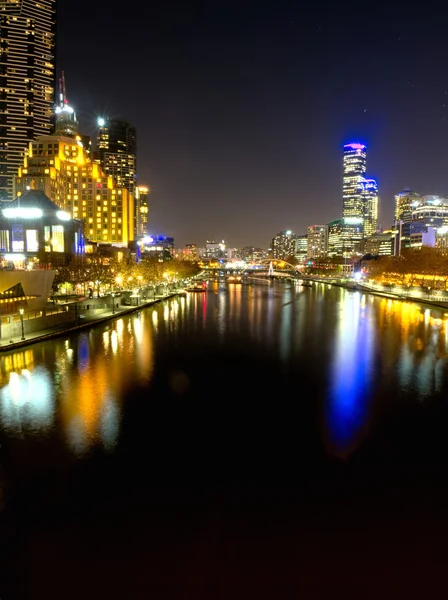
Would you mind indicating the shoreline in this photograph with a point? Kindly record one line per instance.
(62, 330)
(389, 295)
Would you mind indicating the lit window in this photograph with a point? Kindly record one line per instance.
(57, 239)
(32, 240)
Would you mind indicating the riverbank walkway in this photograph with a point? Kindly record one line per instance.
(83, 323)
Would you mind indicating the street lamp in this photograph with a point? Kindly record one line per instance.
(113, 303)
(21, 322)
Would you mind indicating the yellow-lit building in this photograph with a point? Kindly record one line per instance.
(58, 165)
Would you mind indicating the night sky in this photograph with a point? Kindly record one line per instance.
(242, 108)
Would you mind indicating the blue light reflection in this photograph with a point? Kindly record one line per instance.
(352, 374)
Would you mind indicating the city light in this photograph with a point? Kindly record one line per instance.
(12, 257)
(63, 216)
(355, 146)
(22, 213)
(101, 122)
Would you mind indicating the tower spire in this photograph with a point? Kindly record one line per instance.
(64, 91)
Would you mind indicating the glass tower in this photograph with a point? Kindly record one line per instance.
(27, 81)
(355, 164)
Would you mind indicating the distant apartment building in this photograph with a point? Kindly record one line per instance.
(301, 248)
(282, 246)
(317, 240)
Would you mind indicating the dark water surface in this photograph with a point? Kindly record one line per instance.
(256, 441)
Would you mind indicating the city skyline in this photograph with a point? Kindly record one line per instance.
(239, 148)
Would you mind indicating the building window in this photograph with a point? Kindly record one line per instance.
(32, 240)
(4, 241)
(18, 244)
(57, 238)
(47, 238)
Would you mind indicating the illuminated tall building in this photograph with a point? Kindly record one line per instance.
(27, 81)
(117, 154)
(142, 202)
(355, 164)
(360, 199)
(369, 196)
(117, 151)
(59, 166)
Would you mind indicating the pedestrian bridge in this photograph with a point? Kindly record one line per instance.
(262, 268)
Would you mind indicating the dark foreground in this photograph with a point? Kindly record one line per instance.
(233, 474)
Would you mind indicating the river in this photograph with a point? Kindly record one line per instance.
(252, 435)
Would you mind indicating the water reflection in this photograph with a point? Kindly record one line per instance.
(90, 397)
(351, 376)
(27, 401)
(364, 351)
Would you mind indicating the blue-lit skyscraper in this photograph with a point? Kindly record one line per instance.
(355, 165)
(360, 198)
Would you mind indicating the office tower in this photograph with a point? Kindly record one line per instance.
(317, 239)
(59, 166)
(117, 154)
(369, 197)
(141, 200)
(27, 81)
(360, 199)
(117, 151)
(355, 164)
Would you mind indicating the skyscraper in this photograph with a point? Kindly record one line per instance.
(117, 151)
(355, 164)
(141, 199)
(369, 196)
(27, 81)
(117, 154)
(360, 199)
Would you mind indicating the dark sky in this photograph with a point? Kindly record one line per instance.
(242, 108)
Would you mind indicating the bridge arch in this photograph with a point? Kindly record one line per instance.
(274, 261)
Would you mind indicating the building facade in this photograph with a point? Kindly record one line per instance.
(117, 154)
(282, 246)
(369, 196)
(301, 248)
(354, 165)
(27, 81)
(317, 240)
(59, 166)
(380, 244)
(36, 233)
(404, 203)
(360, 198)
(142, 215)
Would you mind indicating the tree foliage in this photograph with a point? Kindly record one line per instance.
(415, 266)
